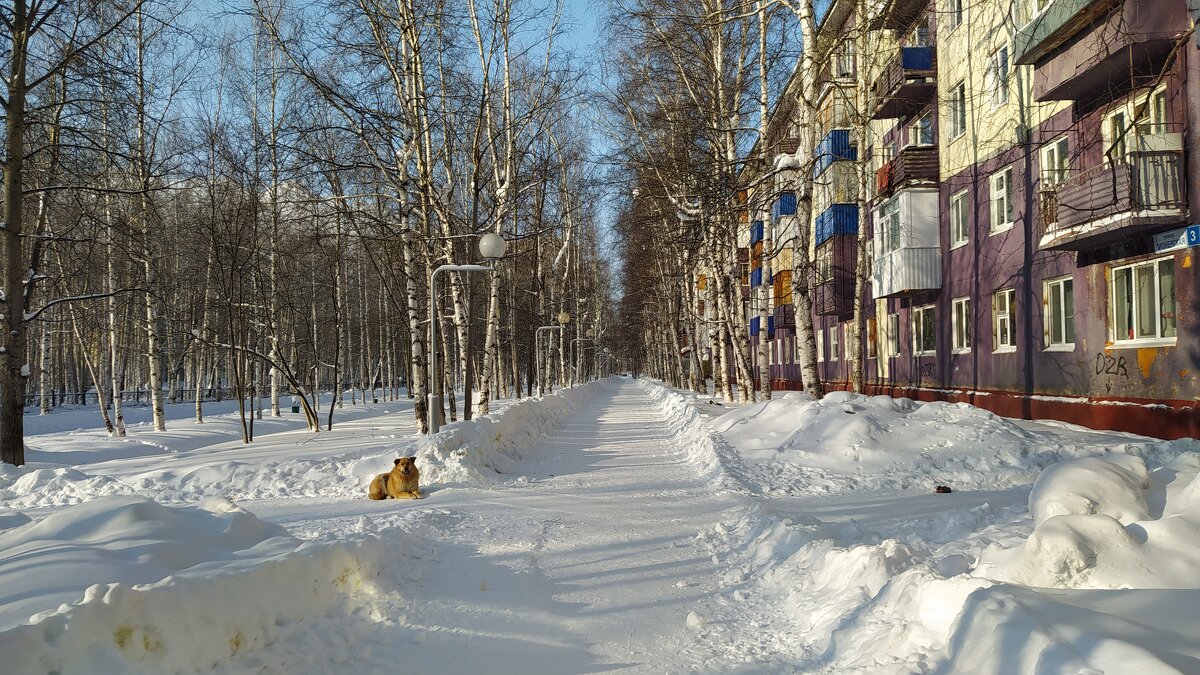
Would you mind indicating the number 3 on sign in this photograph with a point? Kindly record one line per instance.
(1193, 235)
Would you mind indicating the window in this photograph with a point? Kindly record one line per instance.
(872, 338)
(820, 345)
(833, 342)
(1002, 200)
(920, 132)
(844, 60)
(958, 110)
(1143, 301)
(1004, 319)
(893, 335)
(958, 218)
(1055, 161)
(1150, 113)
(919, 36)
(1060, 314)
(1116, 128)
(997, 77)
(924, 326)
(962, 325)
(824, 264)
(954, 13)
(889, 224)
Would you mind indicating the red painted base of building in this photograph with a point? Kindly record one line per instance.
(1161, 419)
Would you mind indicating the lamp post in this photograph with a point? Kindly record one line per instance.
(563, 319)
(491, 247)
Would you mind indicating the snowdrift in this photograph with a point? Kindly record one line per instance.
(485, 449)
(877, 575)
(849, 441)
(223, 583)
(477, 451)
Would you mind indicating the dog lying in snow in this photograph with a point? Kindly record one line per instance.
(399, 483)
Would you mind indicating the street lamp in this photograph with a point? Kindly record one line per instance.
(491, 247)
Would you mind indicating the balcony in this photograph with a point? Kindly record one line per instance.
(784, 205)
(1082, 47)
(755, 324)
(784, 316)
(915, 165)
(907, 83)
(836, 146)
(908, 255)
(896, 14)
(838, 219)
(756, 232)
(787, 145)
(833, 285)
(1142, 195)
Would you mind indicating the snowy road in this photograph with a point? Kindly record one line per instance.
(590, 564)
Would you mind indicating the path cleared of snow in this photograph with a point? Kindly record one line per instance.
(617, 526)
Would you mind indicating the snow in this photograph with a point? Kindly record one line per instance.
(619, 525)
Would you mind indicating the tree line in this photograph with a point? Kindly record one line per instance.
(250, 200)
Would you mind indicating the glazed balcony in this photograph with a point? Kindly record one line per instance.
(1141, 195)
(915, 165)
(908, 255)
(907, 83)
(1082, 47)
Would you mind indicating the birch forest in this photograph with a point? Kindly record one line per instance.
(245, 201)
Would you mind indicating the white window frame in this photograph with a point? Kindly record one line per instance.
(918, 327)
(996, 78)
(917, 128)
(893, 336)
(1159, 338)
(888, 223)
(1004, 314)
(1054, 291)
(820, 345)
(955, 13)
(958, 110)
(1000, 200)
(960, 219)
(1055, 160)
(1114, 138)
(960, 335)
(833, 341)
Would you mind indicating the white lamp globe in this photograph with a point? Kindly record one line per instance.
(491, 246)
(564, 318)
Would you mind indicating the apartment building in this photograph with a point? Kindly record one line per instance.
(1034, 183)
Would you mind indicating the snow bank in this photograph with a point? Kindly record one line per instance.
(183, 589)
(1108, 523)
(848, 441)
(483, 449)
(706, 451)
(342, 475)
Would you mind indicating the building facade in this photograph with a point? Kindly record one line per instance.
(1033, 176)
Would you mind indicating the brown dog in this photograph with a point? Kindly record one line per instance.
(399, 483)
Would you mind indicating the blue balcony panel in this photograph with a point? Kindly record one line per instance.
(916, 58)
(756, 277)
(835, 220)
(784, 205)
(756, 232)
(835, 146)
(753, 326)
